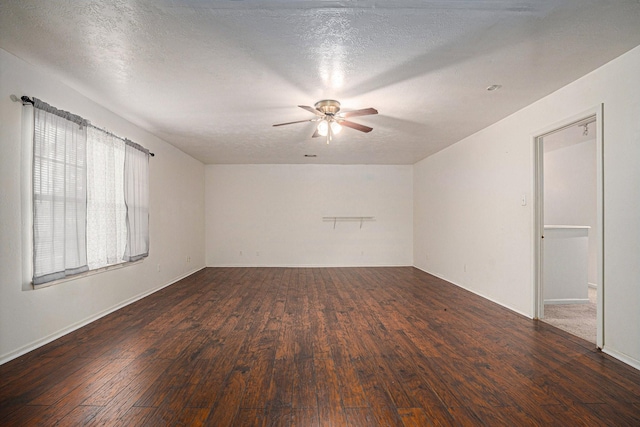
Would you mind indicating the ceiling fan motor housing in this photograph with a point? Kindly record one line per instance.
(329, 107)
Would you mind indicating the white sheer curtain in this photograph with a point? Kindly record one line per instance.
(90, 196)
(106, 210)
(59, 193)
(136, 195)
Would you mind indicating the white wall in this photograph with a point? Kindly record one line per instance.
(29, 318)
(570, 192)
(467, 202)
(469, 225)
(277, 211)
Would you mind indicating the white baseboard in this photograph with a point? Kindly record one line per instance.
(527, 315)
(616, 355)
(304, 265)
(622, 357)
(75, 326)
(567, 301)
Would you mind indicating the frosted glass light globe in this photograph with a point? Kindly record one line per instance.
(323, 128)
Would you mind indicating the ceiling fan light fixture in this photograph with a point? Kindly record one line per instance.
(323, 128)
(336, 127)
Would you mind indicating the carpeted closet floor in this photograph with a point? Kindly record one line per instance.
(577, 319)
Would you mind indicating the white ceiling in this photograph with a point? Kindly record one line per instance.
(211, 77)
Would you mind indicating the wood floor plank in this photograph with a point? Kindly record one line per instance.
(472, 388)
(120, 399)
(304, 417)
(414, 417)
(304, 385)
(318, 323)
(360, 417)
(250, 417)
(61, 388)
(351, 390)
(280, 416)
(226, 408)
(374, 390)
(66, 403)
(386, 372)
(328, 391)
(138, 416)
(206, 392)
(313, 347)
(282, 381)
(503, 416)
(571, 415)
(80, 416)
(124, 377)
(13, 394)
(259, 381)
(173, 408)
(414, 385)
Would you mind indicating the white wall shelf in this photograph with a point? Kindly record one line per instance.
(360, 219)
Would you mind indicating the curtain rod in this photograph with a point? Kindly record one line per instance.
(26, 100)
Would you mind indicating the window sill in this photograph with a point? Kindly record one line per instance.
(87, 274)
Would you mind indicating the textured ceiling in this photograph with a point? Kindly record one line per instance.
(211, 77)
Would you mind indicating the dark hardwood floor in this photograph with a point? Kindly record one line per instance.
(310, 346)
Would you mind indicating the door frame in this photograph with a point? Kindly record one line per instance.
(538, 228)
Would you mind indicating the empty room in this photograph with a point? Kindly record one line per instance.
(319, 213)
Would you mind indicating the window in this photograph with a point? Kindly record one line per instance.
(90, 196)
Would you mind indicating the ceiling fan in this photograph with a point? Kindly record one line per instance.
(330, 120)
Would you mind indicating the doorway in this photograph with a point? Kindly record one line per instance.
(569, 285)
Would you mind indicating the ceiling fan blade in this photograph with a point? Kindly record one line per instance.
(299, 121)
(312, 110)
(356, 126)
(363, 112)
(315, 134)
